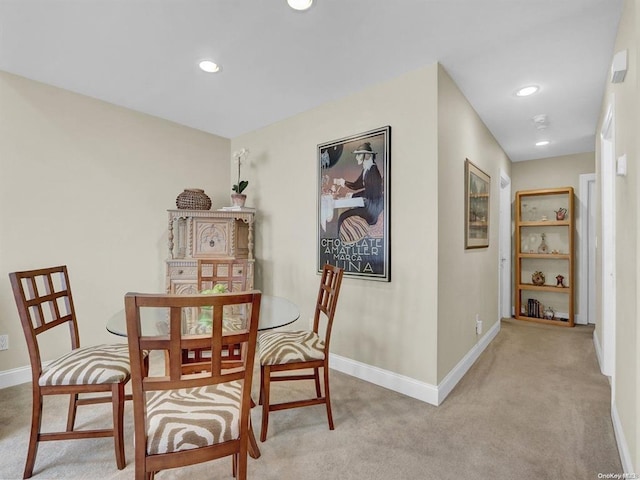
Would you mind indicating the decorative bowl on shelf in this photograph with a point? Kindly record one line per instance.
(538, 278)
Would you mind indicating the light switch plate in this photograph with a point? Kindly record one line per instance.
(621, 166)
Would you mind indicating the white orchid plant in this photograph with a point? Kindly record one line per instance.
(239, 157)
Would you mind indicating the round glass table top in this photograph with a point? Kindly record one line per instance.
(274, 312)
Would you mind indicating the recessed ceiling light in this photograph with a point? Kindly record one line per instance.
(209, 66)
(528, 90)
(300, 4)
(542, 143)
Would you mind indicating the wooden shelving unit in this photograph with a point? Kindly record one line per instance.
(544, 243)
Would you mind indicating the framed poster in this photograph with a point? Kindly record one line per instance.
(477, 189)
(353, 204)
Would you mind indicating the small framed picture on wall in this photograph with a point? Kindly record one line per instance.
(477, 192)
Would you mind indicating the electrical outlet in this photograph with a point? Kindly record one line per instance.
(4, 342)
(478, 325)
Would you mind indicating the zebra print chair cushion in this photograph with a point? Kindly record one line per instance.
(277, 348)
(192, 418)
(89, 366)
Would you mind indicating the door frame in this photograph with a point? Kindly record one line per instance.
(586, 250)
(608, 253)
(504, 247)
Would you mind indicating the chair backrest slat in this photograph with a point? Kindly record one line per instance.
(216, 342)
(327, 299)
(175, 349)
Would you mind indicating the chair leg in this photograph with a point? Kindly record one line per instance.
(261, 380)
(73, 408)
(140, 473)
(36, 422)
(316, 374)
(234, 465)
(117, 400)
(327, 397)
(265, 375)
(242, 461)
(254, 451)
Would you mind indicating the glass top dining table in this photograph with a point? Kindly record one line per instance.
(274, 312)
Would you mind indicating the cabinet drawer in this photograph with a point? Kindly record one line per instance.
(182, 272)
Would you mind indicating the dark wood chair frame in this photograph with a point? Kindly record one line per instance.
(40, 312)
(326, 303)
(199, 358)
(229, 280)
(196, 360)
(219, 370)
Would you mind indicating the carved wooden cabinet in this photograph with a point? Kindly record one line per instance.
(195, 234)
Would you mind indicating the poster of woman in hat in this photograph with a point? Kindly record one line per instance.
(353, 206)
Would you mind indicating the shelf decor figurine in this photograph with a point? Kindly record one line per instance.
(543, 247)
(560, 213)
(538, 278)
(548, 314)
(560, 281)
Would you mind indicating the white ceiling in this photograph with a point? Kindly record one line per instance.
(143, 55)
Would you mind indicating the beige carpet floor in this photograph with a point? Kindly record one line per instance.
(534, 406)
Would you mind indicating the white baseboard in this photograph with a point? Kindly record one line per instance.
(411, 387)
(621, 440)
(623, 447)
(398, 383)
(16, 376)
(463, 366)
(596, 344)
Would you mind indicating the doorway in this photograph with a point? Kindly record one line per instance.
(504, 248)
(608, 225)
(587, 250)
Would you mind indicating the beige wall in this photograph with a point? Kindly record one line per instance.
(625, 96)
(400, 326)
(127, 169)
(468, 280)
(386, 325)
(554, 172)
(87, 184)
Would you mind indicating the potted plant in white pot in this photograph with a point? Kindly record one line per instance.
(238, 198)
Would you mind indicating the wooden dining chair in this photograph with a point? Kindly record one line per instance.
(44, 302)
(186, 418)
(232, 275)
(300, 350)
